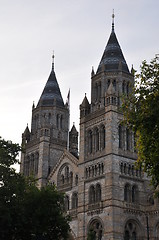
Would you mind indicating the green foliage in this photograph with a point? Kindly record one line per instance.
(27, 212)
(141, 110)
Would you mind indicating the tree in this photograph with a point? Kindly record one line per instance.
(141, 113)
(27, 212)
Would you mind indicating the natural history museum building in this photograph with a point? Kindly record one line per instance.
(103, 189)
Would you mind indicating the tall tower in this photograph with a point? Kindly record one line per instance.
(46, 141)
(109, 185)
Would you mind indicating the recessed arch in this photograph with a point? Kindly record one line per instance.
(96, 226)
(133, 229)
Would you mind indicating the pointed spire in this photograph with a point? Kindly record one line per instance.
(92, 73)
(53, 59)
(33, 105)
(51, 94)
(112, 55)
(113, 16)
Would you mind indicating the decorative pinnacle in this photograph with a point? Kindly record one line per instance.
(53, 57)
(113, 16)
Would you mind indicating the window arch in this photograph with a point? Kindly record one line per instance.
(90, 142)
(128, 139)
(92, 194)
(134, 194)
(127, 193)
(102, 141)
(120, 136)
(98, 192)
(67, 203)
(131, 231)
(123, 87)
(74, 200)
(96, 133)
(96, 228)
(114, 84)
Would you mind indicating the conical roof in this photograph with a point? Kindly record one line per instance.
(51, 94)
(73, 129)
(85, 102)
(112, 56)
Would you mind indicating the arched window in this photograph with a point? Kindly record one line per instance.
(49, 118)
(127, 89)
(121, 167)
(66, 172)
(134, 194)
(90, 141)
(91, 194)
(108, 83)
(36, 162)
(76, 180)
(123, 87)
(102, 141)
(98, 193)
(74, 200)
(127, 139)
(130, 232)
(32, 164)
(120, 137)
(114, 84)
(127, 192)
(96, 139)
(67, 203)
(62, 179)
(61, 121)
(96, 228)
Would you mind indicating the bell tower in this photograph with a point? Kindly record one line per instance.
(46, 141)
(100, 151)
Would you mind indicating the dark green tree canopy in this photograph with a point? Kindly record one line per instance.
(141, 112)
(27, 212)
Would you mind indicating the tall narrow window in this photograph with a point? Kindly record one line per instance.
(120, 137)
(127, 139)
(134, 194)
(114, 84)
(67, 203)
(98, 193)
(108, 83)
(96, 139)
(74, 200)
(90, 141)
(102, 141)
(127, 193)
(123, 87)
(92, 194)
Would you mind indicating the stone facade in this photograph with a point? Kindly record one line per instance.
(104, 192)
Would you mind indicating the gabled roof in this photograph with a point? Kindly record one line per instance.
(112, 56)
(69, 157)
(51, 95)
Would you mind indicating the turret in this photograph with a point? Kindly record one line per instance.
(73, 141)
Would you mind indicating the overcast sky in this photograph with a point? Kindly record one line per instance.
(77, 31)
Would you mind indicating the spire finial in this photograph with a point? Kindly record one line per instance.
(53, 57)
(113, 16)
